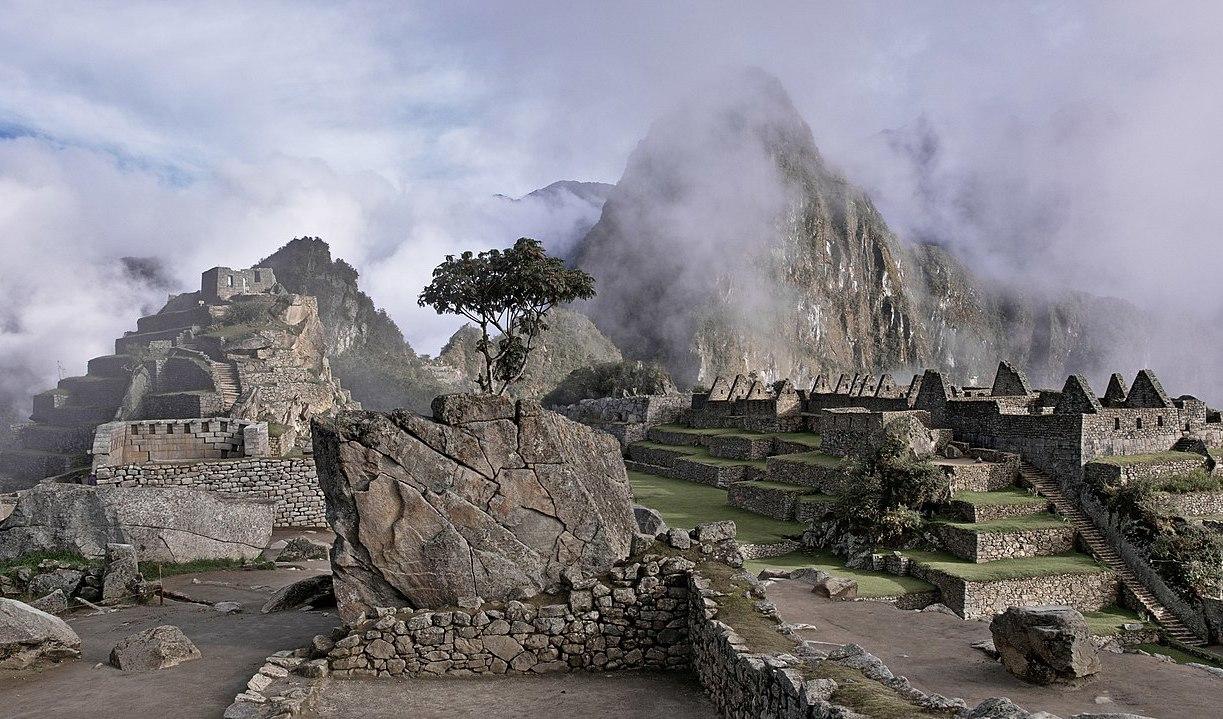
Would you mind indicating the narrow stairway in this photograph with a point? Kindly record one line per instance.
(226, 377)
(1100, 548)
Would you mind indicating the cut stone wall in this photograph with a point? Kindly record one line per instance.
(828, 480)
(292, 483)
(1118, 475)
(1192, 504)
(769, 501)
(628, 418)
(988, 546)
(979, 600)
(174, 440)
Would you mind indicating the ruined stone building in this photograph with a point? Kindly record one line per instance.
(240, 347)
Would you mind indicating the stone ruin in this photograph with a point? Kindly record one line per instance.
(489, 498)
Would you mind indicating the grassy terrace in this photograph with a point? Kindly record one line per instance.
(1108, 621)
(870, 584)
(817, 458)
(783, 487)
(814, 441)
(1126, 460)
(1002, 569)
(687, 504)
(677, 448)
(681, 429)
(1001, 497)
(1009, 524)
(704, 457)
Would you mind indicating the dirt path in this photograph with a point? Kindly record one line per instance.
(934, 651)
(233, 647)
(593, 695)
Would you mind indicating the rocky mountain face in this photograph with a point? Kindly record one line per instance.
(729, 245)
(368, 352)
(571, 342)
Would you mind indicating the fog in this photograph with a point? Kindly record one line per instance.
(1049, 144)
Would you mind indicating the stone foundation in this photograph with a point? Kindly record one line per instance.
(292, 483)
(983, 547)
(766, 498)
(980, 600)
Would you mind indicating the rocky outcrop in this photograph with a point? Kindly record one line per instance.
(30, 637)
(1045, 644)
(490, 498)
(730, 245)
(163, 524)
(157, 648)
(629, 378)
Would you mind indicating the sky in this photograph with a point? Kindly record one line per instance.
(1064, 144)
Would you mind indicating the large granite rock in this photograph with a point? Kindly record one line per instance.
(1045, 644)
(30, 637)
(164, 524)
(490, 498)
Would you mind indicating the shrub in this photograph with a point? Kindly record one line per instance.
(886, 492)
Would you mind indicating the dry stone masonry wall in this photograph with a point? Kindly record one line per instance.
(291, 483)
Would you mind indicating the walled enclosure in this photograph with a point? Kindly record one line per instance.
(230, 456)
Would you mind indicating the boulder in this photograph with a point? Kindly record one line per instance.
(714, 532)
(490, 498)
(164, 524)
(54, 603)
(837, 588)
(300, 549)
(65, 581)
(649, 521)
(30, 637)
(921, 442)
(308, 592)
(122, 572)
(997, 708)
(1045, 644)
(157, 648)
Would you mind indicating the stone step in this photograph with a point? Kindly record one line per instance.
(1103, 551)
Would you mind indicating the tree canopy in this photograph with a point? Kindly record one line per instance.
(507, 291)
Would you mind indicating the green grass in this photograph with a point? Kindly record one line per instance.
(151, 569)
(870, 584)
(33, 559)
(813, 441)
(867, 696)
(687, 504)
(745, 434)
(1027, 522)
(779, 486)
(818, 459)
(1108, 621)
(676, 448)
(739, 611)
(1002, 569)
(703, 457)
(1155, 458)
(1179, 656)
(999, 498)
(705, 432)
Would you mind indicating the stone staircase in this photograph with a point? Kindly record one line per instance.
(1099, 547)
(226, 377)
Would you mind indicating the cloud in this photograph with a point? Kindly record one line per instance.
(1076, 144)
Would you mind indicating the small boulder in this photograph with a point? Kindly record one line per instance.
(309, 592)
(301, 549)
(227, 607)
(54, 603)
(1045, 644)
(714, 532)
(649, 521)
(810, 575)
(679, 539)
(31, 637)
(122, 572)
(62, 580)
(998, 708)
(157, 648)
(837, 589)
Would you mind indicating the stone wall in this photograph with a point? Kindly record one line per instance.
(174, 440)
(988, 546)
(1105, 473)
(764, 498)
(786, 469)
(979, 600)
(969, 475)
(292, 483)
(628, 418)
(1192, 504)
(635, 617)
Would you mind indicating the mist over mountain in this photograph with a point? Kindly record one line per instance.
(731, 245)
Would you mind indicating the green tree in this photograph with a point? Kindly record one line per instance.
(509, 292)
(886, 491)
